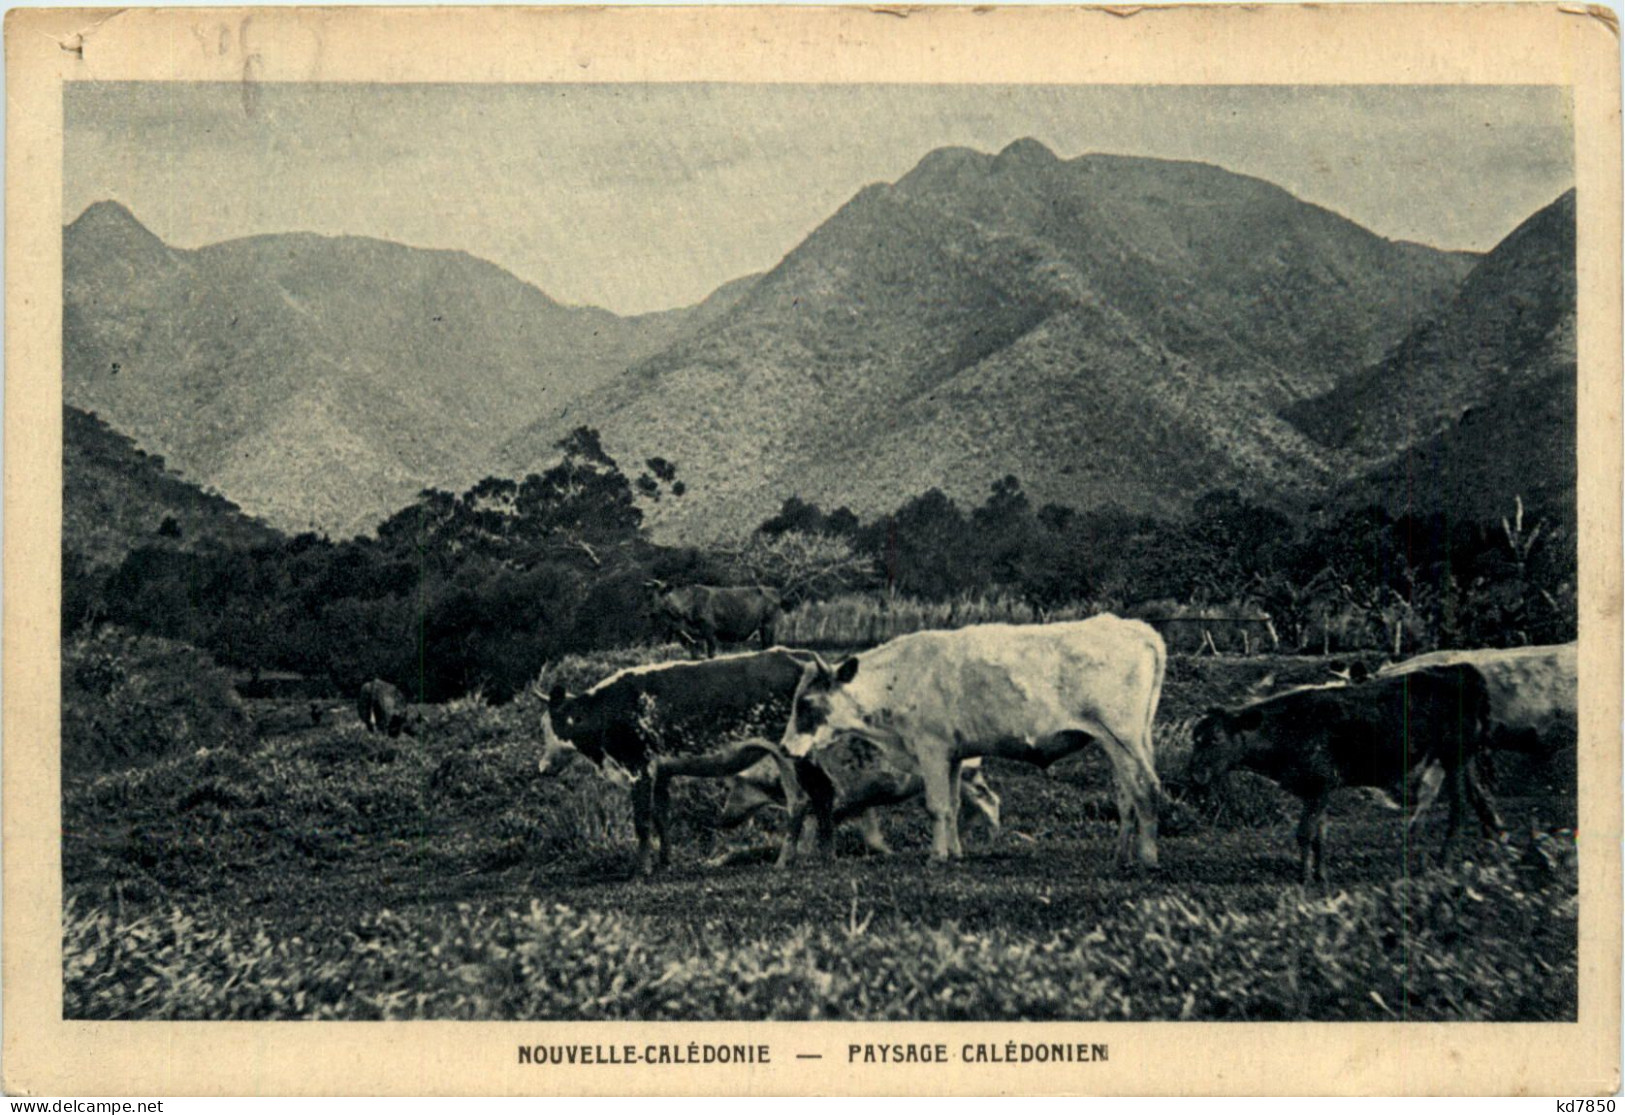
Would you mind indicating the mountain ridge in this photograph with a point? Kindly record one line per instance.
(415, 360)
(1108, 328)
(925, 285)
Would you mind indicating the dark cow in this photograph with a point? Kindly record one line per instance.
(858, 777)
(708, 615)
(381, 707)
(1534, 701)
(643, 726)
(1035, 692)
(1319, 739)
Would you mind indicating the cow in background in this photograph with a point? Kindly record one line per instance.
(382, 707)
(708, 615)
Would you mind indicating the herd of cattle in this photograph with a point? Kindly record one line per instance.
(914, 718)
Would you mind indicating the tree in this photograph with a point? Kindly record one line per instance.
(801, 565)
(924, 548)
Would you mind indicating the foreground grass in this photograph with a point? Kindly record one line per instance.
(1493, 940)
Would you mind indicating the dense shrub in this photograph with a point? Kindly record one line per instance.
(1493, 940)
(129, 699)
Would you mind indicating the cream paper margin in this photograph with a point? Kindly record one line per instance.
(1367, 44)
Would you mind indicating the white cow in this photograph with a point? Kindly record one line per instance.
(1035, 693)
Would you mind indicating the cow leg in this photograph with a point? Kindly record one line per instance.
(873, 838)
(1456, 785)
(955, 848)
(1312, 841)
(642, 807)
(1124, 799)
(660, 803)
(1136, 809)
(942, 805)
(796, 803)
(1145, 812)
(1482, 804)
(710, 645)
(1431, 779)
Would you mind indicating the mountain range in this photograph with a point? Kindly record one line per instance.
(1106, 328)
(321, 382)
(1479, 399)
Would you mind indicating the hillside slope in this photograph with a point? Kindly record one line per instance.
(323, 381)
(115, 498)
(1480, 399)
(1103, 327)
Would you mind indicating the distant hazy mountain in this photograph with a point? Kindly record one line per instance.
(1481, 396)
(116, 498)
(321, 382)
(1102, 327)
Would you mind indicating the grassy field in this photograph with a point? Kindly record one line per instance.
(317, 871)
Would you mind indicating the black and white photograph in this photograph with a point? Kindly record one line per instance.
(847, 551)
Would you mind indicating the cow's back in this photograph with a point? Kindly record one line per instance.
(1531, 689)
(999, 679)
(685, 705)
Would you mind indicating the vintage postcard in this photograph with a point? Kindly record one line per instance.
(772, 550)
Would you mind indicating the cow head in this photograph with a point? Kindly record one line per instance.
(677, 603)
(564, 739)
(824, 707)
(1220, 742)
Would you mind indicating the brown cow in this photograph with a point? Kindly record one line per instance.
(708, 615)
(382, 707)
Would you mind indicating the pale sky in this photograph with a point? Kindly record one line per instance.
(645, 197)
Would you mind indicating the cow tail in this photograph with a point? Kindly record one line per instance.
(1481, 702)
(1159, 657)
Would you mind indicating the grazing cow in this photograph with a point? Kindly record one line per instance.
(381, 707)
(645, 725)
(1534, 701)
(861, 777)
(707, 615)
(1036, 693)
(1318, 739)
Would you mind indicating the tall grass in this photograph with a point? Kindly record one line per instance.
(868, 619)
(1488, 940)
(132, 699)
